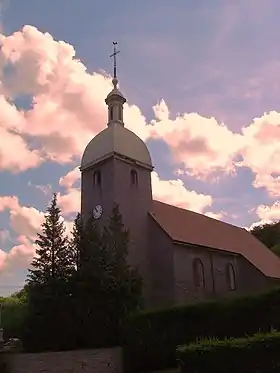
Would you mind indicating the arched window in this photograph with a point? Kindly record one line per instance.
(97, 178)
(198, 274)
(120, 110)
(111, 113)
(230, 277)
(134, 178)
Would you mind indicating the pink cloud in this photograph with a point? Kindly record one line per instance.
(26, 222)
(201, 144)
(69, 109)
(70, 178)
(261, 151)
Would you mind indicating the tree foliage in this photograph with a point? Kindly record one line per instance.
(269, 235)
(125, 279)
(75, 241)
(48, 285)
(106, 288)
(79, 290)
(53, 257)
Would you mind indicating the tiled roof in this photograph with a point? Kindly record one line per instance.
(190, 227)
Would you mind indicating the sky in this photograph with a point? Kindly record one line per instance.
(202, 82)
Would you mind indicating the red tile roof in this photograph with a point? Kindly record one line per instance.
(190, 227)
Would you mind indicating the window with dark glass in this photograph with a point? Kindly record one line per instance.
(134, 177)
(198, 274)
(230, 276)
(111, 113)
(120, 113)
(97, 178)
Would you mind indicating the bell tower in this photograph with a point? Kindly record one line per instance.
(116, 168)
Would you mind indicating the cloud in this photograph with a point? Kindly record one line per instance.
(68, 109)
(70, 202)
(269, 212)
(68, 180)
(201, 145)
(259, 223)
(215, 215)
(175, 193)
(19, 257)
(25, 221)
(66, 98)
(20, 160)
(261, 151)
(4, 236)
(45, 189)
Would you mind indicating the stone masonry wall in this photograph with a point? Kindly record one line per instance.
(83, 361)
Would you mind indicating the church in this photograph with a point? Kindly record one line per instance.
(182, 256)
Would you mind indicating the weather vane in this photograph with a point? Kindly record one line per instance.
(115, 59)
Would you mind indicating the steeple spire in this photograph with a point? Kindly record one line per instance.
(115, 99)
(114, 55)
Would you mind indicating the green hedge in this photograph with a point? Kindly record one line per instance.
(13, 319)
(150, 339)
(259, 353)
(4, 363)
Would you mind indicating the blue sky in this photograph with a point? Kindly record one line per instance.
(219, 59)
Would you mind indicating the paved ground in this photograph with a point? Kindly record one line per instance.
(86, 361)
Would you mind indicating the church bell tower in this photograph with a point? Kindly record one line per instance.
(116, 168)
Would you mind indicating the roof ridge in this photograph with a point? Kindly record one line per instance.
(198, 213)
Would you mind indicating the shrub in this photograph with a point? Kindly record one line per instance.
(150, 339)
(13, 319)
(259, 353)
(4, 363)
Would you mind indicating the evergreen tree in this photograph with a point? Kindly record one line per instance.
(47, 324)
(107, 288)
(53, 255)
(89, 288)
(75, 242)
(125, 282)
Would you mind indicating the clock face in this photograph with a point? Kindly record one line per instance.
(97, 211)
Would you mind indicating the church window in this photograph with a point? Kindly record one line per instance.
(120, 113)
(230, 277)
(134, 177)
(111, 113)
(97, 178)
(198, 274)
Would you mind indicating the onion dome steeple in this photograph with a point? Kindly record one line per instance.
(115, 98)
(116, 140)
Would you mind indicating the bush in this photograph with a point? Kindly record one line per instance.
(259, 353)
(4, 363)
(13, 319)
(150, 339)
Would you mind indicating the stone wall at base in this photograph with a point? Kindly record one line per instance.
(83, 361)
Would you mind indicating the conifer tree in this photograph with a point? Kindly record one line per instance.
(48, 320)
(90, 288)
(53, 256)
(126, 284)
(75, 242)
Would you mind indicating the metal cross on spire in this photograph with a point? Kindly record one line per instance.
(115, 61)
